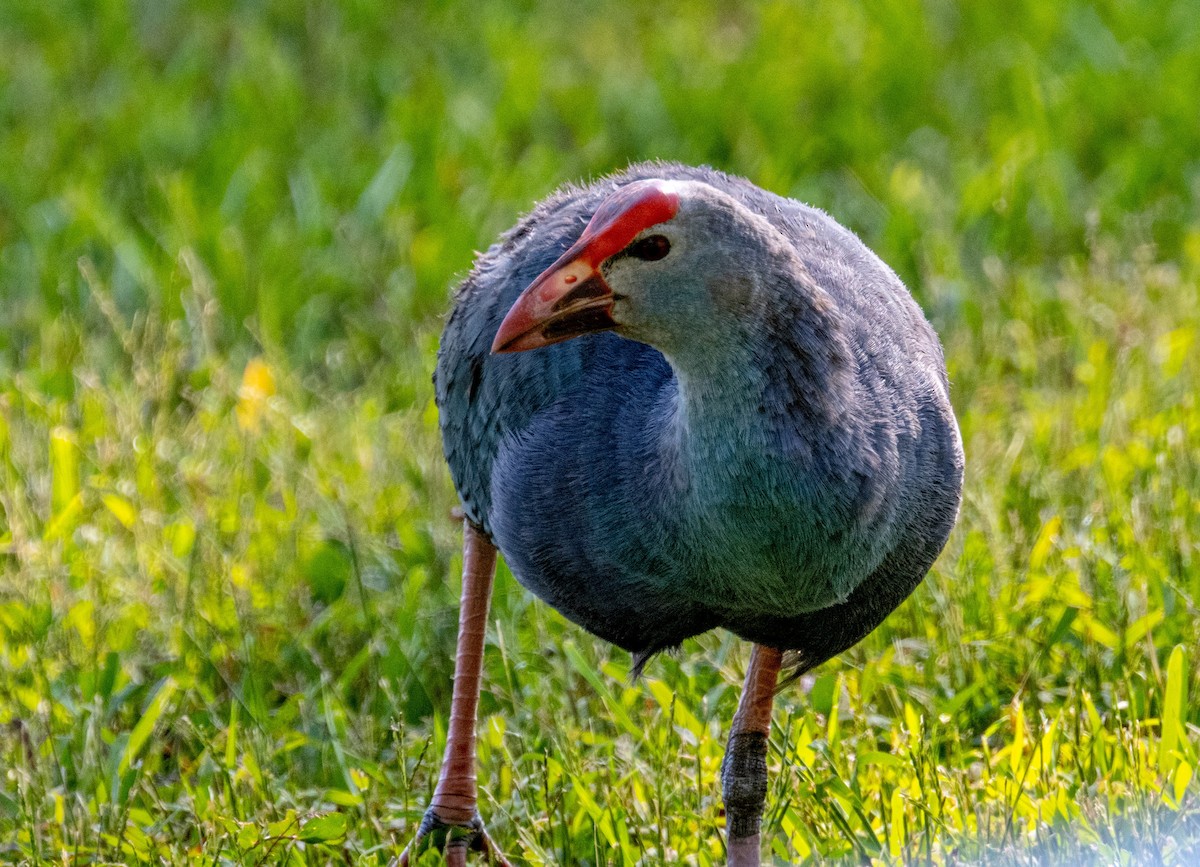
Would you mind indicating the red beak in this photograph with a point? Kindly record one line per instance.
(570, 297)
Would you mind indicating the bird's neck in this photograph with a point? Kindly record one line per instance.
(770, 385)
(719, 400)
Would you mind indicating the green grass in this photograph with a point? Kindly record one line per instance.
(228, 571)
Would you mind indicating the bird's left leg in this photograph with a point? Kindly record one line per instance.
(744, 769)
(452, 819)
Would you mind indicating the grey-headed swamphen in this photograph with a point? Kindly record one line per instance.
(675, 401)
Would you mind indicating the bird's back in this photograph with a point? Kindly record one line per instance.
(560, 432)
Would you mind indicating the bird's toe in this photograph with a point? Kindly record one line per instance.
(453, 839)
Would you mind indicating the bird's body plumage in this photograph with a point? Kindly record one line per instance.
(790, 474)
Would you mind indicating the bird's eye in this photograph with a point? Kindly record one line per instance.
(650, 249)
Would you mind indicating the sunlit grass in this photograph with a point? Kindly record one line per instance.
(229, 608)
(228, 564)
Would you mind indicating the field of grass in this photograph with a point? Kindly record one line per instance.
(228, 571)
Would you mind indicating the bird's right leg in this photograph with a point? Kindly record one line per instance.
(452, 819)
(744, 769)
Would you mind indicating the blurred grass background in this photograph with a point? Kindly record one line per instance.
(228, 576)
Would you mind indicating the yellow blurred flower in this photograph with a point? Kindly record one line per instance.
(258, 386)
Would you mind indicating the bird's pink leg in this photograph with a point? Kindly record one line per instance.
(744, 770)
(452, 815)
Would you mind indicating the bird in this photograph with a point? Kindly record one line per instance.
(675, 402)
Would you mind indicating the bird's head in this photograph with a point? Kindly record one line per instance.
(658, 261)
